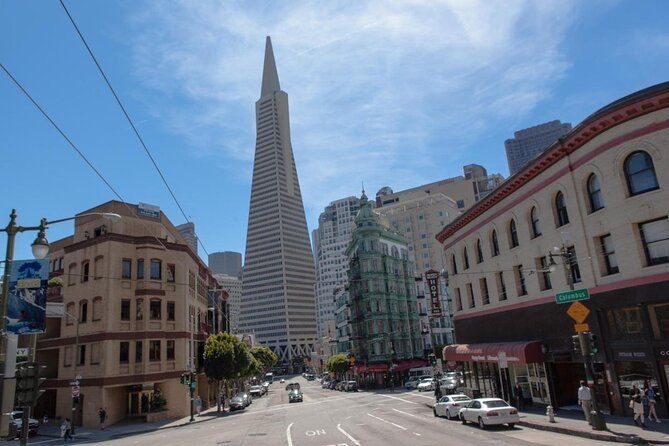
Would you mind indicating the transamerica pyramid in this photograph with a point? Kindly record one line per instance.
(278, 303)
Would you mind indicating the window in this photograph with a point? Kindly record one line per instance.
(470, 296)
(595, 193)
(465, 258)
(69, 310)
(140, 269)
(454, 265)
(572, 261)
(85, 267)
(97, 267)
(83, 311)
(534, 220)
(154, 309)
(460, 204)
(97, 308)
(67, 356)
(561, 210)
(124, 353)
(513, 234)
(655, 239)
(170, 349)
(458, 300)
(171, 272)
(494, 243)
(625, 323)
(640, 173)
(138, 351)
(126, 268)
(479, 251)
(659, 320)
(95, 353)
(71, 274)
(170, 311)
(154, 350)
(156, 269)
(485, 295)
(125, 310)
(501, 286)
(139, 310)
(545, 276)
(81, 357)
(520, 280)
(609, 254)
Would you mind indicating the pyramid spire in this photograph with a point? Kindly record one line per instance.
(270, 78)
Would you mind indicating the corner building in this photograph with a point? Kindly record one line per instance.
(600, 195)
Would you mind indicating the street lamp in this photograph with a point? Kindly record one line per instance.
(40, 248)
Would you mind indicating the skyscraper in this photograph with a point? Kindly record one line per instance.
(226, 262)
(528, 143)
(278, 280)
(187, 230)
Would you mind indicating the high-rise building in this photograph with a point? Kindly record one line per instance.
(233, 286)
(187, 230)
(278, 280)
(330, 241)
(226, 262)
(528, 143)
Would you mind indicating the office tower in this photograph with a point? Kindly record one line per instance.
(233, 286)
(226, 262)
(330, 241)
(187, 230)
(278, 279)
(528, 143)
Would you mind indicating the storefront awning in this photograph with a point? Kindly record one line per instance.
(371, 368)
(514, 352)
(410, 364)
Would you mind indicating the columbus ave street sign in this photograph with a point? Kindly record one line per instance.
(571, 296)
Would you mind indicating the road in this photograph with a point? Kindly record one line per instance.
(330, 418)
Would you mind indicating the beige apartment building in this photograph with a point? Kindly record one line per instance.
(590, 213)
(131, 316)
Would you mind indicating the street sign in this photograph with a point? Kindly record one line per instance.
(571, 296)
(75, 391)
(578, 312)
(581, 328)
(25, 351)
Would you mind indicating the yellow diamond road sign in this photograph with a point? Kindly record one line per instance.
(578, 312)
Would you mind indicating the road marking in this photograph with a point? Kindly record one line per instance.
(407, 413)
(416, 434)
(400, 399)
(389, 422)
(356, 442)
(290, 440)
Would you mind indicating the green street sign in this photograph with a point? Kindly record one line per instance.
(571, 296)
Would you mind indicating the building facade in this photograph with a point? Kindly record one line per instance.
(590, 213)
(130, 316)
(526, 144)
(278, 303)
(232, 285)
(226, 262)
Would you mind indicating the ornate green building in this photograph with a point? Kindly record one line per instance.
(384, 323)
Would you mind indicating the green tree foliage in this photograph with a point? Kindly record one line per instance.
(226, 357)
(265, 357)
(338, 364)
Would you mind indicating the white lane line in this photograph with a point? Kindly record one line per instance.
(400, 399)
(407, 413)
(416, 434)
(290, 440)
(389, 422)
(353, 440)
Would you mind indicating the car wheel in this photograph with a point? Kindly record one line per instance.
(481, 423)
(435, 412)
(448, 414)
(462, 418)
(511, 425)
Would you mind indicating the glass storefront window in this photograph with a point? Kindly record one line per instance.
(625, 322)
(634, 373)
(659, 320)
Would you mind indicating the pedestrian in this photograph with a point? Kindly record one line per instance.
(103, 416)
(651, 397)
(65, 430)
(45, 420)
(585, 400)
(637, 408)
(518, 394)
(198, 404)
(437, 390)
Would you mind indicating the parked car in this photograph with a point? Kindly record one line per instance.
(449, 406)
(448, 385)
(282, 381)
(309, 377)
(295, 396)
(265, 387)
(325, 384)
(237, 403)
(351, 386)
(256, 391)
(248, 399)
(426, 385)
(17, 420)
(413, 382)
(455, 375)
(333, 384)
(489, 411)
(341, 386)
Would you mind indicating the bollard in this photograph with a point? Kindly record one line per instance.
(551, 414)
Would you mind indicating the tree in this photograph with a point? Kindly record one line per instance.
(226, 358)
(338, 364)
(266, 358)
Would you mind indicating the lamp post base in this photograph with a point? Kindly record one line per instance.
(598, 422)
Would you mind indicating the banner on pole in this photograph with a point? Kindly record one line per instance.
(26, 310)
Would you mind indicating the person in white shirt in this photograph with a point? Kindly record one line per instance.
(585, 400)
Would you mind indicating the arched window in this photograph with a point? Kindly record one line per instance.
(495, 243)
(534, 219)
(479, 251)
(640, 173)
(561, 210)
(465, 258)
(83, 311)
(513, 234)
(454, 265)
(595, 193)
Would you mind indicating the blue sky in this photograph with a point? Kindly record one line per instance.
(386, 93)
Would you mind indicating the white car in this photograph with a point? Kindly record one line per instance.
(426, 385)
(413, 382)
(449, 406)
(489, 411)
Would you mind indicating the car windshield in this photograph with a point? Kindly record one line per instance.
(495, 403)
(426, 381)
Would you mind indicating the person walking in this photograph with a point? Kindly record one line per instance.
(66, 429)
(637, 408)
(103, 416)
(651, 397)
(585, 400)
(437, 390)
(518, 394)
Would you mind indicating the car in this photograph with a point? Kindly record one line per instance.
(17, 420)
(248, 399)
(489, 411)
(340, 386)
(325, 384)
(448, 385)
(295, 396)
(265, 387)
(309, 377)
(237, 403)
(351, 386)
(282, 381)
(426, 385)
(333, 384)
(413, 381)
(256, 391)
(293, 386)
(449, 406)
(455, 375)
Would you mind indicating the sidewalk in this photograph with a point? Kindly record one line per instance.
(572, 422)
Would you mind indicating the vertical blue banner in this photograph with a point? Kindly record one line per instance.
(26, 312)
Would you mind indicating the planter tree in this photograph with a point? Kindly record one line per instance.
(266, 358)
(338, 364)
(226, 358)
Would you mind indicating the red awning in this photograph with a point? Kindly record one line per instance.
(410, 364)
(371, 368)
(515, 352)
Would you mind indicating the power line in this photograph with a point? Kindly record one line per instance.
(125, 113)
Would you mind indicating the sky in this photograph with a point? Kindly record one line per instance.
(381, 93)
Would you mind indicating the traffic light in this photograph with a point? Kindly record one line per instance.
(433, 359)
(576, 345)
(594, 344)
(185, 379)
(28, 381)
(192, 380)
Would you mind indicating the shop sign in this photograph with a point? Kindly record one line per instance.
(432, 278)
(631, 355)
(571, 296)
